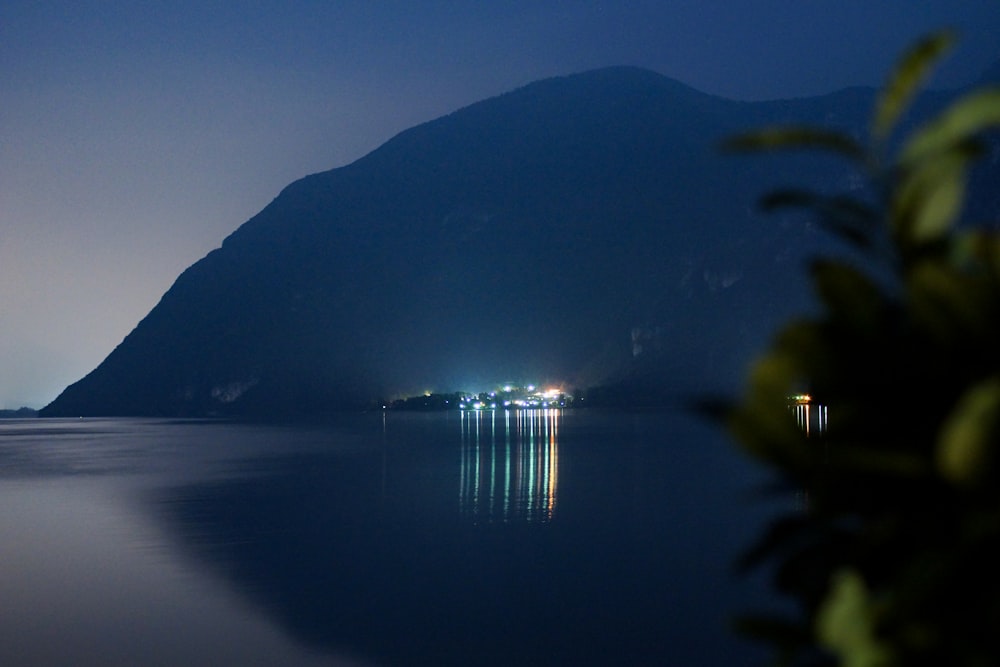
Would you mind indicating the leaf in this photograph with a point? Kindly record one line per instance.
(910, 73)
(940, 206)
(949, 305)
(977, 249)
(870, 461)
(797, 137)
(846, 217)
(762, 422)
(903, 334)
(800, 340)
(929, 196)
(969, 434)
(961, 122)
(846, 623)
(791, 198)
(782, 534)
(850, 296)
(771, 378)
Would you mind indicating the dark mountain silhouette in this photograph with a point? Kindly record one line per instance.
(583, 229)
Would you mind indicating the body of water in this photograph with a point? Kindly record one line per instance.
(487, 538)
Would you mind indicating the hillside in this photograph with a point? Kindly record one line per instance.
(582, 229)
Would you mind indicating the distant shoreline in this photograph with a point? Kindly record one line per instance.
(20, 413)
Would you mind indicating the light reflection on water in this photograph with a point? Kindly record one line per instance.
(811, 417)
(213, 543)
(509, 465)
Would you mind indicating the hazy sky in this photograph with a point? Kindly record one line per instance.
(134, 136)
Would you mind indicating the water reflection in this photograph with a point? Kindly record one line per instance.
(509, 465)
(342, 543)
(811, 417)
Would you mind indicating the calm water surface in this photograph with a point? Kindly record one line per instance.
(531, 538)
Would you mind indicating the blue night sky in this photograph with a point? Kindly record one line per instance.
(135, 136)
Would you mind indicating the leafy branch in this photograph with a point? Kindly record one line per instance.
(894, 562)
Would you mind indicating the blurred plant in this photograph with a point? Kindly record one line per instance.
(896, 558)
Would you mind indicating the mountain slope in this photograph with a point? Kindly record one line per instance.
(527, 237)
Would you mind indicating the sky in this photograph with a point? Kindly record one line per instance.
(135, 136)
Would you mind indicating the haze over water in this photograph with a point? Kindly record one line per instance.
(532, 537)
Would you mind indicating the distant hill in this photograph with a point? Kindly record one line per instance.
(582, 229)
(20, 413)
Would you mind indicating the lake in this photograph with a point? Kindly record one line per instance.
(570, 537)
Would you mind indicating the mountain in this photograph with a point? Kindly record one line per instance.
(583, 229)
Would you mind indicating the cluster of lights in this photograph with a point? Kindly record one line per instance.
(509, 396)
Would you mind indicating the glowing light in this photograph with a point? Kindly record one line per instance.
(809, 420)
(511, 473)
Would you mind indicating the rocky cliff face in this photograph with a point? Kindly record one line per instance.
(526, 237)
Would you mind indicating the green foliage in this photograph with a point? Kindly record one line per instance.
(896, 558)
(910, 73)
(846, 623)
